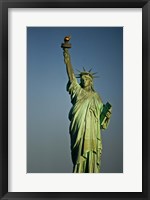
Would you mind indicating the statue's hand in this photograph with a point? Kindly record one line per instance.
(66, 56)
(108, 114)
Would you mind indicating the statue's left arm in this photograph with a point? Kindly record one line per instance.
(105, 118)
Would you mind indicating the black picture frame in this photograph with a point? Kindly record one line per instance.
(4, 6)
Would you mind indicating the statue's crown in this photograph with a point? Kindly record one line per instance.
(89, 73)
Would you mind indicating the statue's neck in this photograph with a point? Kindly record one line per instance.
(88, 89)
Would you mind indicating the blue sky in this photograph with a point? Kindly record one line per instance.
(48, 103)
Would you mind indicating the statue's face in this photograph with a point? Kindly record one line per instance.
(86, 81)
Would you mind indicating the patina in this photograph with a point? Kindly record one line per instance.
(87, 116)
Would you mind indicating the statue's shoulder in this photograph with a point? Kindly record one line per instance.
(97, 95)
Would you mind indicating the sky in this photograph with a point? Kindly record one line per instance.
(48, 102)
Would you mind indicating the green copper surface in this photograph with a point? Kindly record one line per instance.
(87, 116)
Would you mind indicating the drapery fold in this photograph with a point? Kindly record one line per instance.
(85, 135)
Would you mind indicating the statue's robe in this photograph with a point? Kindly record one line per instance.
(85, 127)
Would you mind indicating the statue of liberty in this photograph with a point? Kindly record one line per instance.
(87, 116)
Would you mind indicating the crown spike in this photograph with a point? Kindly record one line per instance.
(84, 69)
(94, 73)
(81, 73)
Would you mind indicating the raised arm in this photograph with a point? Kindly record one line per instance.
(67, 58)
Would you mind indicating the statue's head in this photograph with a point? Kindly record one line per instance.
(86, 79)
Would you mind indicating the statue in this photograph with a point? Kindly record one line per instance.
(87, 116)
